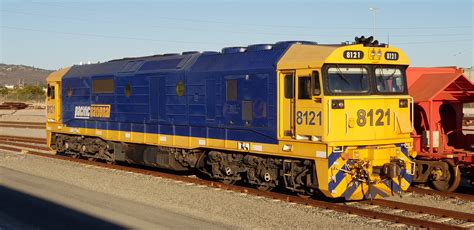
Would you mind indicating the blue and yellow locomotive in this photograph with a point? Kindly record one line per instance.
(306, 117)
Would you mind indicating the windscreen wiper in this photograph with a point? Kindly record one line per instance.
(341, 75)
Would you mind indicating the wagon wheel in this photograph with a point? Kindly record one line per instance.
(452, 181)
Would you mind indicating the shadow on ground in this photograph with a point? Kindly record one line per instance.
(22, 211)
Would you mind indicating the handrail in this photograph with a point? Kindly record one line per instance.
(347, 123)
(329, 116)
(395, 122)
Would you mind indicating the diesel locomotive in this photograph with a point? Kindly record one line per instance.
(302, 116)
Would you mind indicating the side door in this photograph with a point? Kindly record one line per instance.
(286, 109)
(53, 102)
(308, 105)
(157, 98)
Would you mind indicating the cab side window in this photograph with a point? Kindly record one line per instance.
(50, 92)
(289, 94)
(304, 88)
(316, 84)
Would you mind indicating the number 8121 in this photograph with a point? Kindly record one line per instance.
(363, 116)
(308, 118)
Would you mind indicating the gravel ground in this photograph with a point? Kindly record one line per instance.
(229, 208)
(436, 202)
(24, 115)
(38, 133)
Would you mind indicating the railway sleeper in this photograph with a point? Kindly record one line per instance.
(262, 172)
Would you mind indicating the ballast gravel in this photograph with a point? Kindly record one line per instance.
(435, 202)
(229, 208)
(26, 115)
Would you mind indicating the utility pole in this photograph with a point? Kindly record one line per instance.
(374, 11)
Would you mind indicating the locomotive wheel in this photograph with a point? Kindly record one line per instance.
(264, 187)
(307, 194)
(452, 181)
(228, 181)
(303, 195)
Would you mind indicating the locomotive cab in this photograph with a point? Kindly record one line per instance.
(53, 101)
(356, 103)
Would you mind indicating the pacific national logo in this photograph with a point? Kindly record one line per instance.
(92, 111)
(82, 112)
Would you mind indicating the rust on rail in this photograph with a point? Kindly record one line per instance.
(453, 195)
(423, 209)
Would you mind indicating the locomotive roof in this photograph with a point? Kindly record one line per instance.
(282, 55)
(259, 56)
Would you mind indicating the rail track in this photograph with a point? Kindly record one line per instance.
(379, 210)
(454, 195)
(25, 125)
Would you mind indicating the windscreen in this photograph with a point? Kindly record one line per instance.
(389, 80)
(348, 80)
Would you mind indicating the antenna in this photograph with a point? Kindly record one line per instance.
(388, 38)
(374, 10)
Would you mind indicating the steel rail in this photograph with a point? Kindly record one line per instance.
(23, 126)
(423, 209)
(23, 139)
(24, 145)
(453, 195)
(22, 123)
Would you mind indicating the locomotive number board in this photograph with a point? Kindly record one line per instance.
(391, 56)
(353, 54)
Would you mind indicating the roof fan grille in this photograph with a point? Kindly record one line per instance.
(230, 50)
(259, 47)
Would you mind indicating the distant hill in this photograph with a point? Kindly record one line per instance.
(11, 74)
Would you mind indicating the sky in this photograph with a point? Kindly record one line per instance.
(55, 34)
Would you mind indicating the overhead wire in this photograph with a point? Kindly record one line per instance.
(276, 26)
(104, 36)
(224, 31)
(196, 29)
